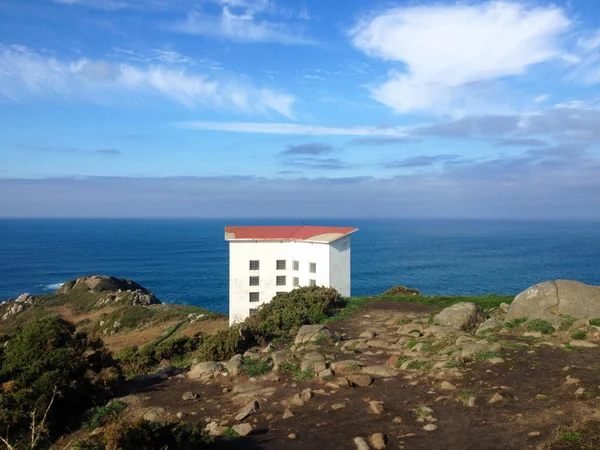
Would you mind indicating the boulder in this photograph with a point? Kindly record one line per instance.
(379, 371)
(345, 367)
(311, 333)
(462, 316)
(554, 298)
(233, 365)
(315, 366)
(140, 296)
(489, 324)
(243, 429)
(247, 410)
(360, 380)
(204, 370)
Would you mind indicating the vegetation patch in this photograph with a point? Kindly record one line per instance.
(104, 414)
(416, 365)
(485, 355)
(254, 367)
(540, 325)
(454, 364)
(485, 301)
(296, 372)
(401, 360)
(579, 335)
(595, 322)
(515, 323)
(567, 322)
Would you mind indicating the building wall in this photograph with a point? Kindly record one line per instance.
(340, 266)
(268, 252)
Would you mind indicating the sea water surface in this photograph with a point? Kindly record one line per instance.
(186, 261)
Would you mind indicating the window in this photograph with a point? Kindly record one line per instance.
(253, 311)
(279, 293)
(312, 282)
(281, 264)
(254, 264)
(280, 281)
(254, 297)
(254, 281)
(312, 267)
(296, 281)
(296, 265)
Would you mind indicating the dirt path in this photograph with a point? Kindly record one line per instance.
(535, 402)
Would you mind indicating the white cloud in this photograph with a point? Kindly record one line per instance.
(448, 48)
(541, 98)
(239, 27)
(25, 75)
(291, 128)
(172, 57)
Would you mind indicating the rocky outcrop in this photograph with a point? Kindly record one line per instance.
(401, 290)
(462, 316)
(551, 299)
(110, 290)
(14, 306)
(312, 333)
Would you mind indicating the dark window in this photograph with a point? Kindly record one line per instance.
(254, 264)
(253, 281)
(281, 264)
(296, 265)
(312, 267)
(280, 281)
(296, 281)
(254, 296)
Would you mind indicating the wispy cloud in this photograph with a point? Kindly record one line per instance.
(422, 161)
(448, 49)
(291, 128)
(521, 142)
(63, 149)
(316, 163)
(314, 148)
(382, 141)
(25, 74)
(240, 27)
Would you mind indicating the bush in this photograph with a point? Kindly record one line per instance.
(48, 370)
(144, 435)
(288, 311)
(104, 414)
(400, 291)
(137, 360)
(543, 326)
(515, 323)
(254, 367)
(579, 335)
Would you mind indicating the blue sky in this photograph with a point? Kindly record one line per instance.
(213, 108)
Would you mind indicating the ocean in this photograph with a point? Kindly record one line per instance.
(186, 261)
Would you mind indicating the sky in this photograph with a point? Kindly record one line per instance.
(316, 108)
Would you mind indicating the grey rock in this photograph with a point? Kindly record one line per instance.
(189, 396)
(379, 371)
(243, 429)
(554, 298)
(247, 410)
(204, 370)
(360, 444)
(234, 364)
(462, 316)
(315, 366)
(311, 333)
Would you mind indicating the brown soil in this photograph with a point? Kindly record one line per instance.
(67, 313)
(504, 425)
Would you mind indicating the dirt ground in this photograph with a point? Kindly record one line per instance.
(536, 401)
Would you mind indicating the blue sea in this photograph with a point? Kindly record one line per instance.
(186, 261)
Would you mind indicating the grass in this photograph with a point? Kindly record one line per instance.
(540, 325)
(515, 323)
(465, 395)
(485, 301)
(230, 433)
(104, 414)
(296, 372)
(401, 361)
(595, 322)
(410, 345)
(567, 322)
(352, 305)
(416, 365)
(579, 335)
(485, 355)
(571, 436)
(454, 364)
(254, 367)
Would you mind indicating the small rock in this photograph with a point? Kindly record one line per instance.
(360, 443)
(571, 380)
(378, 441)
(325, 373)
(496, 398)
(243, 429)
(292, 436)
(247, 410)
(430, 427)
(583, 344)
(368, 335)
(360, 380)
(375, 407)
(297, 400)
(189, 396)
(306, 394)
(233, 365)
(180, 415)
(338, 406)
(534, 434)
(397, 419)
(379, 371)
(579, 392)
(495, 360)
(287, 414)
(153, 414)
(447, 386)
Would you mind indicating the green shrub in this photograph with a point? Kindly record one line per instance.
(401, 360)
(295, 371)
(484, 355)
(254, 367)
(136, 360)
(104, 414)
(515, 323)
(416, 365)
(571, 436)
(540, 325)
(579, 335)
(400, 291)
(222, 345)
(145, 435)
(48, 368)
(566, 322)
(452, 364)
(595, 322)
(288, 311)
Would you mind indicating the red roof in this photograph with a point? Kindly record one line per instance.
(287, 233)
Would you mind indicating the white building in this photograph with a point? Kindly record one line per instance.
(264, 261)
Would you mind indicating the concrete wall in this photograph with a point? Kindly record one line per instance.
(268, 252)
(340, 266)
